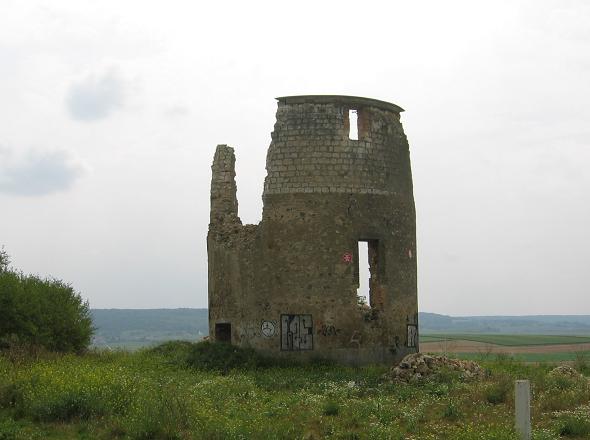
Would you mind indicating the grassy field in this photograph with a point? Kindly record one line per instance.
(530, 357)
(505, 340)
(508, 340)
(175, 394)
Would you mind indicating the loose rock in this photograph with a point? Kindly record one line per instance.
(420, 366)
(565, 370)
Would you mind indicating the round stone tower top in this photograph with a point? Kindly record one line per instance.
(337, 144)
(348, 101)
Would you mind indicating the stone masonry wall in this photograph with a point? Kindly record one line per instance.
(288, 286)
(311, 151)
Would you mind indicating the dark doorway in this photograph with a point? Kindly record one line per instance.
(223, 332)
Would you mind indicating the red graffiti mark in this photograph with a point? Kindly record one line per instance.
(347, 257)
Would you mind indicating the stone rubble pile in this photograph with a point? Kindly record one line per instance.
(419, 366)
(565, 370)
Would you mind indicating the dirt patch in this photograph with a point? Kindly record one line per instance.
(463, 346)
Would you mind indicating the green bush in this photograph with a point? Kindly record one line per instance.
(68, 406)
(447, 376)
(166, 418)
(213, 356)
(44, 313)
(221, 356)
(582, 362)
(563, 392)
(4, 260)
(9, 430)
(500, 391)
(11, 395)
(19, 430)
(331, 408)
(574, 426)
(451, 411)
(175, 352)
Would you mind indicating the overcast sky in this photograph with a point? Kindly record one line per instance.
(111, 112)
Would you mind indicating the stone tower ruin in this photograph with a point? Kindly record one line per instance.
(288, 286)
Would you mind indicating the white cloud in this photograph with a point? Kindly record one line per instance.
(96, 97)
(37, 173)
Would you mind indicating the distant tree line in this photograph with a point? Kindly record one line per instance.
(41, 312)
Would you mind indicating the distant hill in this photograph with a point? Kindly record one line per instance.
(132, 328)
(533, 324)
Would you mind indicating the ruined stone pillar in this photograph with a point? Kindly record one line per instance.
(224, 203)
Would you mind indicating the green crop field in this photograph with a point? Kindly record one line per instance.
(530, 357)
(508, 340)
(177, 393)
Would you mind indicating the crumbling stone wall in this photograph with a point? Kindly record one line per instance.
(288, 286)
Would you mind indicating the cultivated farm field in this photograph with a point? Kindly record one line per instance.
(508, 340)
(205, 391)
(526, 348)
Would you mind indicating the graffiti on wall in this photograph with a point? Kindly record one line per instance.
(296, 332)
(267, 328)
(247, 333)
(327, 329)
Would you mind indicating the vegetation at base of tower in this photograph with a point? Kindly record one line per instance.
(211, 356)
(156, 394)
(41, 314)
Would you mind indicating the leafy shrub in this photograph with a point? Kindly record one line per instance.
(4, 260)
(451, 411)
(447, 376)
(42, 312)
(68, 406)
(173, 348)
(175, 352)
(11, 395)
(574, 426)
(479, 432)
(221, 356)
(331, 408)
(562, 383)
(9, 430)
(213, 356)
(164, 416)
(499, 391)
(437, 389)
(543, 434)
(19, 430)
(582, 362)
(563, 392)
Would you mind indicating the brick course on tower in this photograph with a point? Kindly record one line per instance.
(288, 286)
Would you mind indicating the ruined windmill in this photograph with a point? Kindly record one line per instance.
(288, 286)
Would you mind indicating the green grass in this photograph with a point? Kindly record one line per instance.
(508, 340)
(180, 391)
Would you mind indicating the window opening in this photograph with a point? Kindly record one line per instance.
(367, 271)
(363, 291)
(223, 332)
(353, 126)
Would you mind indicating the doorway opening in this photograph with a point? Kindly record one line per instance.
(223, 332)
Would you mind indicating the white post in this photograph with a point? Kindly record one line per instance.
(522, 405)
